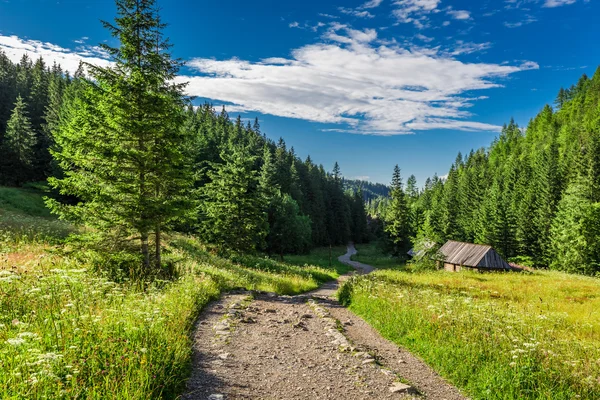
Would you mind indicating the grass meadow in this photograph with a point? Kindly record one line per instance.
(372, 254)
(495, 336)
(67, 332)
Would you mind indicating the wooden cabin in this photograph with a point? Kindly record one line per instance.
(458, 256)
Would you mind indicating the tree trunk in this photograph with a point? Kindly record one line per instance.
(158, 249)
(145, 252)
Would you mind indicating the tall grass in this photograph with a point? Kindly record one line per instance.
(497, 336)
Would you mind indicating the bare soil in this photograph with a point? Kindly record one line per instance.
(264, 346)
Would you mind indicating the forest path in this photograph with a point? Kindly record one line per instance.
(265, 346)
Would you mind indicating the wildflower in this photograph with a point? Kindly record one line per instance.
(15, 341)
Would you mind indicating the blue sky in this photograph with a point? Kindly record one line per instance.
(368, 83)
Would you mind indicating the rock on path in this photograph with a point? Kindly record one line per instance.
(264, 346)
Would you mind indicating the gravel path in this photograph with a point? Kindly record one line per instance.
(264, 346)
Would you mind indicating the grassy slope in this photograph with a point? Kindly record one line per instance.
(371, 254)
(67, 333)
(497, 336)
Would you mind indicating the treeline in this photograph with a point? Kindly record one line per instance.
(133, 159)
(534, 194)
(31, 95)
(371, 191)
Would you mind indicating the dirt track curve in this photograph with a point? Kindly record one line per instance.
(264, 346)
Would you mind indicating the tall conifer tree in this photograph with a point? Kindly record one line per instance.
(123, 150)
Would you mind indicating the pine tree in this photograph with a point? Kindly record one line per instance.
(233, 207)
(397, 226)
(18, 147)
(123, 150)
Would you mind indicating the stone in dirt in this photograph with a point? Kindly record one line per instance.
(216, 397)
(400, 388)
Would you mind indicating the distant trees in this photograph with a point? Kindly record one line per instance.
(18, 146)
(534, 194)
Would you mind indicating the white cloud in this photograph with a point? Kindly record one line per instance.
(372, 4)
(356, 13)
(459, 14)
(361, 83)
(558, 3)
(424, 38)
(364, 86)
(415, 11)
(529, 19)
(469, 47)
(69, 59)
(294, 24)
(361, 178)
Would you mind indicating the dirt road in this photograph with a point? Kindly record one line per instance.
(264, 346)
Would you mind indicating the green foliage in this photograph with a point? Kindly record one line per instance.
(232, 205)
(576, 233)
(290, 232)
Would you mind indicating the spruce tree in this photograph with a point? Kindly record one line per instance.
(397, 226)
(18, 147)
(123, 150)
(233, 207)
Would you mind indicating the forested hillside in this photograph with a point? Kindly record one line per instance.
(371, 191)
(534, 194)
(198, 171)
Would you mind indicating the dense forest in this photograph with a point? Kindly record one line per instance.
(371, 191)
(128, 155)
(534, 194)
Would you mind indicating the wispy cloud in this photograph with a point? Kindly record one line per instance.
(415, 11)
(529, 19)
(372, 4)
(356, 13)
(469, 47)
(558, 3)
(459, 14)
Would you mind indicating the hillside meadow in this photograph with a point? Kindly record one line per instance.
(495, 336)
(69, 332)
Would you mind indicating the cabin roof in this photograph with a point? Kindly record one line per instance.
(472, 255)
